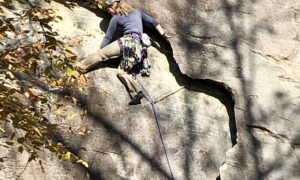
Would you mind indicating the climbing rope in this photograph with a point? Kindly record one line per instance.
(148, 97)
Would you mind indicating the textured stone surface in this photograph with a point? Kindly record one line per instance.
(251, 47)
(123, 141)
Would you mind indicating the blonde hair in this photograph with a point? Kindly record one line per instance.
(124, 8)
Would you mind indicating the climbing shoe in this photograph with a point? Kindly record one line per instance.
(137, 99)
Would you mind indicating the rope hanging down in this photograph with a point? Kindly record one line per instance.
(148, 97)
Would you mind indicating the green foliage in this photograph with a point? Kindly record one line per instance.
(28, 45)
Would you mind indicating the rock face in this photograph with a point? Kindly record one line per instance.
(251, 47)
(245, 50)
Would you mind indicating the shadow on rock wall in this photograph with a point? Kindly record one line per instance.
(215, 89)
(194, 85)
(201, 86)
(234, 40)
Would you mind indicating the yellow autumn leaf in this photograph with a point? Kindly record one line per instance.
(38, 131)
(66, 156)
(71, 116)
(69, 72)
(69, 50)
(2, 130)
(83, 163)
(74, 100)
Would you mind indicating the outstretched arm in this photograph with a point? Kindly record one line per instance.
(110, 32)
(152, 22)
(148, 20)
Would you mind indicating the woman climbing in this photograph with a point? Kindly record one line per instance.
(131, 21)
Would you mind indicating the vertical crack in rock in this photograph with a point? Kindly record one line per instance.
(218, 90)
(124, 142)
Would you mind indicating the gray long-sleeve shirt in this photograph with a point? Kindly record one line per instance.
(133, 23)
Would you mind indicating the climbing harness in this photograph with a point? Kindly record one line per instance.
(148, 97)
(135, 55)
